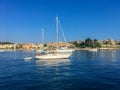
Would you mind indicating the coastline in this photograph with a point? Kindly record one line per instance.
(73, 48)
(98, 48)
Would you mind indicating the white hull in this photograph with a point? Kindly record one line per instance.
(94, 50)
(28, 58)
(53, 56)
(1, 50)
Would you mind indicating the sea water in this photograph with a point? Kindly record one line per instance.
(83, 71)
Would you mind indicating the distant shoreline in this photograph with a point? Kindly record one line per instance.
(74, 49)
(98, 48)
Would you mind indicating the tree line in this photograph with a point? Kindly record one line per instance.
(2, 43)
(88, 43)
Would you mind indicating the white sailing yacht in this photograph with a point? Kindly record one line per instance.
(53, 55)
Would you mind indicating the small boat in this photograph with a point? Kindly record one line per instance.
(1, 50)
(93, 49)
(28, 58)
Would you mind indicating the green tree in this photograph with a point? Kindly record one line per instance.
(96, 43)
(76, 44)
(88, 42)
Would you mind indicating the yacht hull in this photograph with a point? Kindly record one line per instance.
(57, 56)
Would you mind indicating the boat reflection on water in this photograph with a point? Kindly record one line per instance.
(58, 62)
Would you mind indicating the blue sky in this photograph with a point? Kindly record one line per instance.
(22, 20)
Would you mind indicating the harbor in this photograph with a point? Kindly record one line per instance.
(59, 45)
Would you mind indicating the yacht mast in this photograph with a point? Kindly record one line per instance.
(57, 28)
(42, 36)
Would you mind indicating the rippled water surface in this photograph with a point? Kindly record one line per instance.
(83, 71)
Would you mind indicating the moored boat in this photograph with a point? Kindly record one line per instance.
(52, 55)
(62, 53)
(28, 58)
(93, 49)
(1, 50)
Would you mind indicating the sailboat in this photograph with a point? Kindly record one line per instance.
(55, 54)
